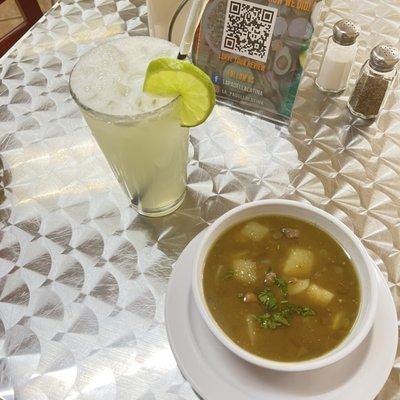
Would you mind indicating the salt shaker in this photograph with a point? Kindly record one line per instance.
(373, 84)
(339, 56)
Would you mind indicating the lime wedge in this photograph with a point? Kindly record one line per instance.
(171, 77)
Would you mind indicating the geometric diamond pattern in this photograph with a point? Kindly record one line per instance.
(83, 277)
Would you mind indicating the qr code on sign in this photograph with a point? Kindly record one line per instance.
(248, 29)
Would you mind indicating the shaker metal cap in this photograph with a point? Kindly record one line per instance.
(346, 32)
(384, 57)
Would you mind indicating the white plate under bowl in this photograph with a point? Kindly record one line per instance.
(216, 373)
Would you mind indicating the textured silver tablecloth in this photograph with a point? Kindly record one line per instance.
(83, 277)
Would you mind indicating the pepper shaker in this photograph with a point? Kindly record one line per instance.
(339, 56)
(372, 86)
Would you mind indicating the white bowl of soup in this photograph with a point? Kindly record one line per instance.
(285, 285)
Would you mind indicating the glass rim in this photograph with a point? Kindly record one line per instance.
(113, 117)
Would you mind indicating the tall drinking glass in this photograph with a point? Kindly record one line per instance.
(160, 16)
(139, 134)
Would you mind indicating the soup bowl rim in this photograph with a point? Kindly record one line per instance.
(367, 274)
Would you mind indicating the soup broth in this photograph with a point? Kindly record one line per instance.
(281, 288)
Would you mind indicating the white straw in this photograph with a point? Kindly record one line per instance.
(193, 20)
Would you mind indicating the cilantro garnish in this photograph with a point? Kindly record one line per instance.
(278, 312)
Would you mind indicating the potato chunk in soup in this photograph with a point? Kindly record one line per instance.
(299, 263)
(255, 231)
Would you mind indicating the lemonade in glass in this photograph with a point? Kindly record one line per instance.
(143, 135)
